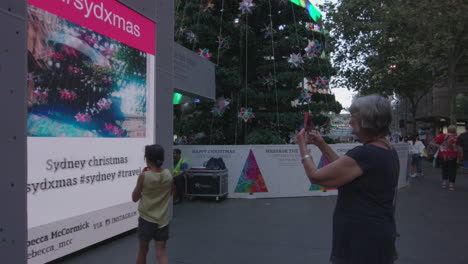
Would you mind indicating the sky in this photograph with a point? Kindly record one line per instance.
(342, 95)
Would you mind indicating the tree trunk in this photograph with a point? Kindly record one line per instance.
(452, 92)
(413, 113)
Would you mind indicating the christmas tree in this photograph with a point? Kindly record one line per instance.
(272, 64)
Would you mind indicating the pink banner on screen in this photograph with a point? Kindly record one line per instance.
(107, 17)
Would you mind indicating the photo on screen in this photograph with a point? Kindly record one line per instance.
(82, 83)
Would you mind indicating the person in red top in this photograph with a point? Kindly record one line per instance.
(447, 156)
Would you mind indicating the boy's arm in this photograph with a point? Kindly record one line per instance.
(136, 194)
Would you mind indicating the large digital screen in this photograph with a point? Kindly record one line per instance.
(90, 97)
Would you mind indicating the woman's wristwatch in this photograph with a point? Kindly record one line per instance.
(306, 157)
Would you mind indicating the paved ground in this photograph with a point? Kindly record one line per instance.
(433, 224)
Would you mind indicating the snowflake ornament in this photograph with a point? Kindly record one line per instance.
(246, 6)
(295, 59)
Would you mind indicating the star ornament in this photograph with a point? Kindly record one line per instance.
(295, 59)
(246, 6)
(205, 53)
(305, 96)
(246, 114)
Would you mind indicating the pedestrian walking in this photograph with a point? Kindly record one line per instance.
(416, 151)
(447, 156)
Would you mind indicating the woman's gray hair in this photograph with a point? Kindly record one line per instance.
(452, 129)
(375, 114)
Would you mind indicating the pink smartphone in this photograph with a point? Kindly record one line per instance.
(308, 123)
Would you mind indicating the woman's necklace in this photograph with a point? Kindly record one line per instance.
(379, 139)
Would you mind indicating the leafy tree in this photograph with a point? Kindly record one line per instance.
(401, 47)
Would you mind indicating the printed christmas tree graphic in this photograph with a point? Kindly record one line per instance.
(251, 179)
(315, 187)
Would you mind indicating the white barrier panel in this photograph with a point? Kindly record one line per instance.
(269, 171)
(90, 113)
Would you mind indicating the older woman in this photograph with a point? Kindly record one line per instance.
(363, 222)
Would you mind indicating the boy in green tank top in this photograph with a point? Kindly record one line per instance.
(153, 191)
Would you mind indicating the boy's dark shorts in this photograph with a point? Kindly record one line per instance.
(148, 231)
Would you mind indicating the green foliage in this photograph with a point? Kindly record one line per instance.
(241, 71)
(398, 47)
(263, 136)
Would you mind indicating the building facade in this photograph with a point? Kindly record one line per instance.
(433, 111)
